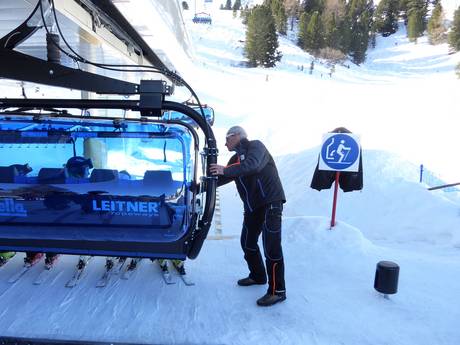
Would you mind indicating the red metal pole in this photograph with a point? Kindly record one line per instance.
(334, 203)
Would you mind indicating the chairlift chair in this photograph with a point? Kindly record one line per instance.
(147, 195)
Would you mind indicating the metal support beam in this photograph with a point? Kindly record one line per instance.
(23, 67)
(25, 30)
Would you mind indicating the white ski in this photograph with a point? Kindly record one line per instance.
(119, 266)
(131, 268)
(110, 269)
(186, 279)
(183, 275)
(79, 269)
(43, 275)
(24, 270)
(19, 274)
(166, 274)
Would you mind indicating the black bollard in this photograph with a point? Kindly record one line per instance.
(386, 278)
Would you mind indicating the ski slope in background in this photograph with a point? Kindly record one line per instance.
(402, 103)
(403, 99)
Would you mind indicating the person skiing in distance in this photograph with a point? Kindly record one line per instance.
(256, 177)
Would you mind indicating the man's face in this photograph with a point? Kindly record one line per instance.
(231, 140)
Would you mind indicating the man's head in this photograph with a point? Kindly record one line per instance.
(78, 167)
(234, 136)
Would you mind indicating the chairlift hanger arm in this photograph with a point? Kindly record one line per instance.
(19, 66)
(134, 105)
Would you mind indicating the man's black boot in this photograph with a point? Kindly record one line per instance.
(270, 299)
(248, 281)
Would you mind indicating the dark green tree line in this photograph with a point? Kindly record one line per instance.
(336, 26)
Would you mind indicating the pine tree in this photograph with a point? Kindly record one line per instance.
(311, 6)
(435, 27)
(332, 33)
(414, 25)
(416, 19)
(360, 39)
(386, 17)
(360, 14)
(279, 13)
(236, 5)
(261, 39)
(337, 35)
(245, 15)
(314, 39)
(281, 20)
(345, 28)
(303, 25)
(454, 34)
(228, 5)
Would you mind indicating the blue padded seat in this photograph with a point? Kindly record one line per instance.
(101, 175)
(160, 182)
(161, 178)
(7, 174)
(51, 175)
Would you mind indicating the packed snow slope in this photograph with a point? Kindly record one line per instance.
(401, 100)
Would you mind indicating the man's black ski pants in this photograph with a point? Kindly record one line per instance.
(265, 220)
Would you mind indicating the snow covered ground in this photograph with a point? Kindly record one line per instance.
(403, 103)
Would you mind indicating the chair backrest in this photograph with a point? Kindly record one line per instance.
(158, 178)
(7, 174)
(101, 175)
(51, 175)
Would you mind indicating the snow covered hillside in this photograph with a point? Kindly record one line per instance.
(403, 103)
(403, 99)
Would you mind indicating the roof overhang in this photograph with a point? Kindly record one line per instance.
(95, 29)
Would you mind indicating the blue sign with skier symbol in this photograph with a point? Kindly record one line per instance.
(340, 152)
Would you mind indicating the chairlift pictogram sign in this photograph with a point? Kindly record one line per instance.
(340, 152)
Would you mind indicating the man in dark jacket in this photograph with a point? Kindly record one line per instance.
(254, 172)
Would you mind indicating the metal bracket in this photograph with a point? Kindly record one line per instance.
(119, 124)
(152, 95)
(211, 151)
